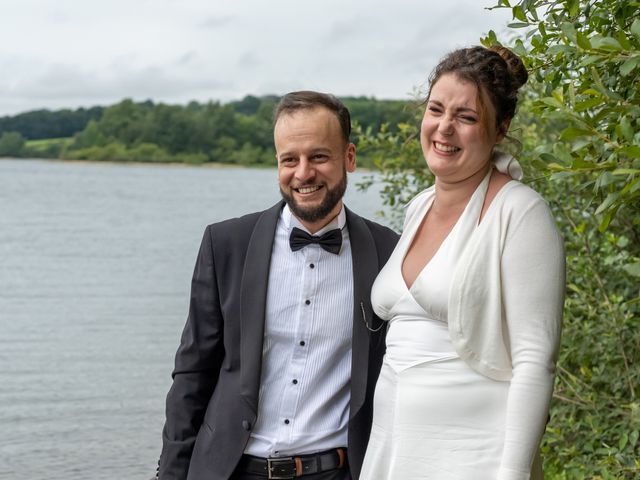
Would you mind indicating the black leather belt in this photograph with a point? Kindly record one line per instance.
(296, 466)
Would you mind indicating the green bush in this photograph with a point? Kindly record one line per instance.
(148, 152)
(579, 128)
(11, 144)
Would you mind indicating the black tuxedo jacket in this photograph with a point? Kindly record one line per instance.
(212, 404)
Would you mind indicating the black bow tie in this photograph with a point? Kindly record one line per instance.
(331, 241)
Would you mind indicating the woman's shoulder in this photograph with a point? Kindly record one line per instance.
(517, 195)
(520, 206)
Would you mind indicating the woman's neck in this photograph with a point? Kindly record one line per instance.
(452, 197)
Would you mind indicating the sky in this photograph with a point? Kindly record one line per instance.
(81, 53)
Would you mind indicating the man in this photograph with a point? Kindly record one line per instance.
(275, 371)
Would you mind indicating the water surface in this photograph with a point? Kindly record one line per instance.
(95, 265)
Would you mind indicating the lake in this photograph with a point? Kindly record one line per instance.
(95, 266)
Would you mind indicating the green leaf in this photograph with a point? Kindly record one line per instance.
(605, 178)
(542, 30)
(625, 171)
(517, 25)
(605, 43)
(555, 49)
(587, 104)
(622, 442)
(569, 30)
(519, 49)
(580, 143)
(583, 41)
(628, 66)
(632, 269)
(600, 86)
(591, 92)
(572, 94)
(632, 151)
(580, 163)
(608, 202)
(635, 27)
(490, 39)
(572, 132)
(518, 13)
(591, 59)
(606, 219)
(539, 165)
(552, 102)
(627, 129)
(557, 167)
(548, 158)
(624, 41)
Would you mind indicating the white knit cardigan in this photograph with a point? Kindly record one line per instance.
(505, 307)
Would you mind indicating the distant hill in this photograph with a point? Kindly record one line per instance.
(41, 124)
(238, 132)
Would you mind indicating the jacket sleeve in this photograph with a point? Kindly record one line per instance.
(533, 285)
(197, 366)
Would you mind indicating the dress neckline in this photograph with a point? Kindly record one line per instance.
(467, 222)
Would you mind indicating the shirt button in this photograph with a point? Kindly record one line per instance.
(246, 425)
(307, 302)
(295, 382)
(311, 265)
(302, 343)
(286, 422)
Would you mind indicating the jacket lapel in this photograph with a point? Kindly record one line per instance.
(365, 268)
(253, 298)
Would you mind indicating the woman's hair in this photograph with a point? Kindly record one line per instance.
(497, 72)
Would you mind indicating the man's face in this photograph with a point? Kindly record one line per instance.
(313, 161)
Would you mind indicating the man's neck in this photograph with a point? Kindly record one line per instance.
(314, 227)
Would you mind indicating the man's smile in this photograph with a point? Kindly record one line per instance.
(309, 189)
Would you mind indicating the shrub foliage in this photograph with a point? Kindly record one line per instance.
(578, 128)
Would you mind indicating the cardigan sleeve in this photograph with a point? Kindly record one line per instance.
(533, 285)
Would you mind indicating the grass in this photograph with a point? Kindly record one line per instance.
(47, 143)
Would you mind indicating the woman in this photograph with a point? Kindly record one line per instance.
(473, 293)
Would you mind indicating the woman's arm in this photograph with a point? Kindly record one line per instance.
(533, 285)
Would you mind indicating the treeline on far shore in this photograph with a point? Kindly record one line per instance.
(237, 132)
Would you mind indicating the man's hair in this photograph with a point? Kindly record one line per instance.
(307, 99)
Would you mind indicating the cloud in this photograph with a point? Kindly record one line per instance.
(63, 84)
(216, 22)
(248, 59)
(186, 58)
(81, 53)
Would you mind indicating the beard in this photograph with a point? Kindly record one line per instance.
(315, 213)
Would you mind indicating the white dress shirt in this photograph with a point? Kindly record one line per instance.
(306, 357)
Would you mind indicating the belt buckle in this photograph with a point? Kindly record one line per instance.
(281, 463)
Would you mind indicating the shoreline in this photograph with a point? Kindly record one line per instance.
(213, 165)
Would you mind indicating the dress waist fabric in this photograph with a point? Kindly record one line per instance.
(413, 338)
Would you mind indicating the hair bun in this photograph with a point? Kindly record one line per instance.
(514, 63)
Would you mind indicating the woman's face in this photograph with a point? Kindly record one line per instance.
(457, 134)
